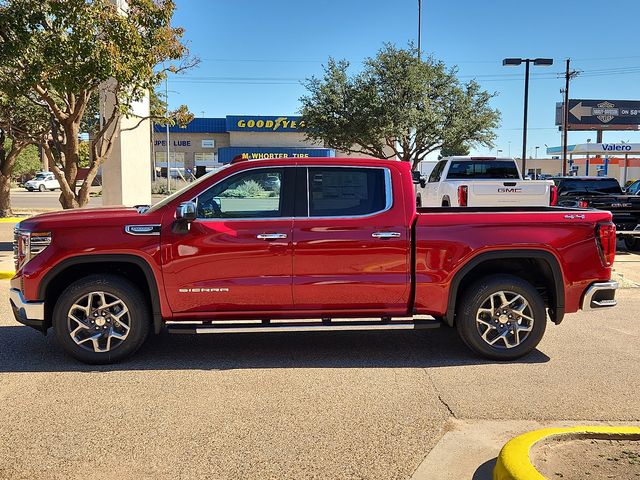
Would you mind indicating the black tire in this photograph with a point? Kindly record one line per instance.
(418, 201)
(42, 188)
(87, 290)
(477, 334)
(445, 203)
(632, 243)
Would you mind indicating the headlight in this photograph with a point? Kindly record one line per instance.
(27, 245)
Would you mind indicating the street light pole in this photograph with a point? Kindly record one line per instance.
(524, 123)
(527, 62)
(419, 29)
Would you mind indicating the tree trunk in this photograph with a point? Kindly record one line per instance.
(7, 161)
(5, 196)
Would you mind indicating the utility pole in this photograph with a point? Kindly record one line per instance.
(419, 29)
(565, 117)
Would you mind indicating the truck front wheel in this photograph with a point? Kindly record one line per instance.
(101, 319)
(501, 317)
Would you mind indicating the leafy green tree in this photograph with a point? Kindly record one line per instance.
(398, 106)
(64, 54)
(22, 123)
(454, 150)
(27, 163)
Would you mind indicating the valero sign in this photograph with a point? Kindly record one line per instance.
(237, 123)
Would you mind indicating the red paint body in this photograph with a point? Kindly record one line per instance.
(325, 266)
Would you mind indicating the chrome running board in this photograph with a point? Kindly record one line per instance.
(292, 326)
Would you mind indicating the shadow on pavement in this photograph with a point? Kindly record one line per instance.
(485, 471)
(25, 350)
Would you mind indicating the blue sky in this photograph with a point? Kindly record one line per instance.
(255, 53)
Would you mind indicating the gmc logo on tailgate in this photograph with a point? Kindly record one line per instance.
(509, 190)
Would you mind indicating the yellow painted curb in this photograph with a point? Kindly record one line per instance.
(6, 274)
(514, 463)
(11, 219)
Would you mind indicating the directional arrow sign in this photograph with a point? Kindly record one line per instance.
(579, 111)
(607, 114)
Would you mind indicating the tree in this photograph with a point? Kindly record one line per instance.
(453, 150)
(22, 123)
(64, 54)
(397, 107)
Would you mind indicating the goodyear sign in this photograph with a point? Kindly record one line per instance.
(239, 123)
(226, 154)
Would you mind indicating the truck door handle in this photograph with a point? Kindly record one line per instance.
(271, 236)
(385, 235)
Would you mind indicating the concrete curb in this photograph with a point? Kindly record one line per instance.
(513, 462)
(6, 274)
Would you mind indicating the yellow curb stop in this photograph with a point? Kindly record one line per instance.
(11, 219)
(6, 274)
(514, 463)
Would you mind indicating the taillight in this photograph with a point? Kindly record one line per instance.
(463, 195)
(554, 196)
(607, 241)
(583, 204)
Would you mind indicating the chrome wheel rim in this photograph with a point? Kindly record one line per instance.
(99, 322)
(504, 319)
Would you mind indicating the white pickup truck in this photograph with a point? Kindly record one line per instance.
(482, 182)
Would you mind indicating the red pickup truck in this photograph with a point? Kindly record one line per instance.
(304, 245)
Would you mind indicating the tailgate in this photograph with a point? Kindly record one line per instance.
(519, 193)
(624, 208)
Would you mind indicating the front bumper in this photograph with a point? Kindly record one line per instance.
(30, 314)
(600, 295)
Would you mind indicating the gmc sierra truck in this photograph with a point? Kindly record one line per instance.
(603, 193)
(286, 245)
(482, 182)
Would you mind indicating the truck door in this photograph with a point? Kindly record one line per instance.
(351, 241)
(237, 255)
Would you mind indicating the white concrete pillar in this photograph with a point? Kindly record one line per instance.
(126, 176)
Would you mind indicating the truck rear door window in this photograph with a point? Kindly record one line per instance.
(461, 170)
(344, 192)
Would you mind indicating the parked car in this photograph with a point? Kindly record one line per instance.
(482, 182)
(342, 240)
(43, 181)
(604, 193)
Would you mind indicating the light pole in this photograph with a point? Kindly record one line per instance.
(498, 152)
(509, 149)
(544, 62)
(419, 29)
(537, 152)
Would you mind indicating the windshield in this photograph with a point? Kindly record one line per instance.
(463, 169)
(175, 195)
(609, 186)
(41, 176)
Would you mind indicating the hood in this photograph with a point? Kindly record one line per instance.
(104, 216)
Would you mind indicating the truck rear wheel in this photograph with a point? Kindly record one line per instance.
(501, 317)
(101, 319)
(632, 243)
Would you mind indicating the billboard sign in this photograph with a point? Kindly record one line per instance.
(603, 113)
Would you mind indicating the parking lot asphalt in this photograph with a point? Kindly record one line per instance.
(314, 405)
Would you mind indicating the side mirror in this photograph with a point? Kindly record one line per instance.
(418, 178)
(186, 212)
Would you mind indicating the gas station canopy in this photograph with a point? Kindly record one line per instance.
(603, 149)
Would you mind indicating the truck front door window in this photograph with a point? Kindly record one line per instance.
(252, 194)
